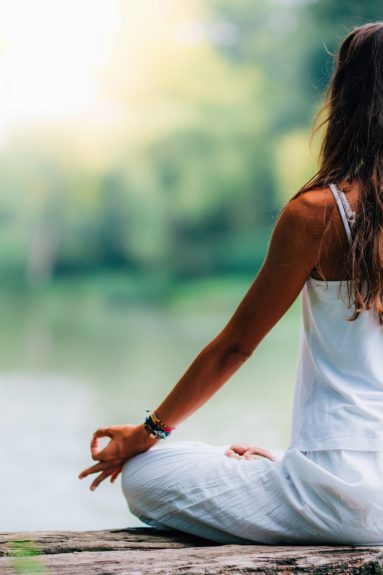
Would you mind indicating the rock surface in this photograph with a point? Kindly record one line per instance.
(144, 551)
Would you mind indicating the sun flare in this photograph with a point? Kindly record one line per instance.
(51, 54)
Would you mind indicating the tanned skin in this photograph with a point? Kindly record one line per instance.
(291, 257)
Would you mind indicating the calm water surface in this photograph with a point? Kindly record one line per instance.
(71, 364)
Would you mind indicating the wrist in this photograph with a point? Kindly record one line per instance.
(144, 440)
(156, 427)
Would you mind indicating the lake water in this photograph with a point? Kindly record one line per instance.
(70, 364)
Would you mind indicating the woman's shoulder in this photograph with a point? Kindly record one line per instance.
(313, 201)
(310, 210)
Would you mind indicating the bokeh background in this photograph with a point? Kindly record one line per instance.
(146, 147)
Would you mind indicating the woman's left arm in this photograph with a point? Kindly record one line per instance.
(291, 255)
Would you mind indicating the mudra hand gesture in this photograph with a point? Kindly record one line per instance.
(125, 442)
(245, 451)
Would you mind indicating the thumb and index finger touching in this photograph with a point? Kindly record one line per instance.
(96, 452)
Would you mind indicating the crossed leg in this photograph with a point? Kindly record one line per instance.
(196, 487)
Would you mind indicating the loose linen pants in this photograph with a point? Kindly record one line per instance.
(318, 497)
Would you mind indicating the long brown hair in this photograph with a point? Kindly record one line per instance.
(352, 150)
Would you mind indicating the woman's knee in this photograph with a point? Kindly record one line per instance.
(133, 490)
(160, 479)
(137, 480)
(131, 478)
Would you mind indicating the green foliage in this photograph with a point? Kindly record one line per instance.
(212, 138)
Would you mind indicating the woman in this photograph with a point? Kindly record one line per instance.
(327, 487)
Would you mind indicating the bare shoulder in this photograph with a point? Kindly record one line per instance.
(309, 212)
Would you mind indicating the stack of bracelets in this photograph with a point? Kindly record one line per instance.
(155, 427)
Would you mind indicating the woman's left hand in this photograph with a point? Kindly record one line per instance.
(125, 442)
(244, 451)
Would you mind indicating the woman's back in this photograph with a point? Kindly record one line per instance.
(326, 487)
(338, 400)
(333, 256)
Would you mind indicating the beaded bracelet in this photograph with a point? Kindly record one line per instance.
(155, 427)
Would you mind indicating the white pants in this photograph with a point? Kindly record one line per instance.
(318, 497)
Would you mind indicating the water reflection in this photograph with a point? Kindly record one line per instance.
(70, 366)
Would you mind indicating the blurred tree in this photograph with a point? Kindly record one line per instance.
(200, 133)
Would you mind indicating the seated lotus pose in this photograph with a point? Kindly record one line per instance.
(327, 247)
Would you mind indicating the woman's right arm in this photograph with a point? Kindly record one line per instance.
(291, 255)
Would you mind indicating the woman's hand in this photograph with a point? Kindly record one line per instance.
(244, 451)
(125, 442)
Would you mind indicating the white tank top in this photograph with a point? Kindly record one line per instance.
(338, 400)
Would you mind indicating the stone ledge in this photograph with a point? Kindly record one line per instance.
(146, 551)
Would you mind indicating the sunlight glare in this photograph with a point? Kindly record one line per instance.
(51, 54)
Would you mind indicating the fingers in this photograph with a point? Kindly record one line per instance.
(115, 474)
(262, 452)
(94, 447)
(93, 469)
(103, 466)
(101, 432)
(236, 450)
(100, 478)
(239, 448)
(242, 451)
(110, 470)
(232, 453)
(109, 463)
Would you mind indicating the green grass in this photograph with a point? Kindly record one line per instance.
(26, 560)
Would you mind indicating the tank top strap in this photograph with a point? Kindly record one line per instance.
(347, 214)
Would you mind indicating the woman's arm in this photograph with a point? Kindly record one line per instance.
(291, 255)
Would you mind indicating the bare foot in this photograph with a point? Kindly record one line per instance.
(244, 451)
